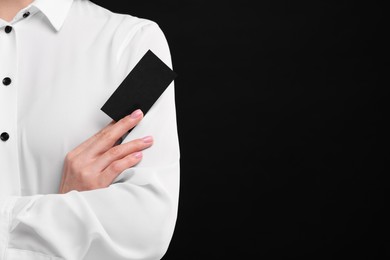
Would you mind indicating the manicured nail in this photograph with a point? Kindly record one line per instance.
(137, 155)
(147, 139)
(137, 113)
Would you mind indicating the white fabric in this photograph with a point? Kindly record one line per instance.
(64, 60)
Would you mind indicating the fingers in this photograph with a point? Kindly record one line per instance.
(117, 167)
(90, 140)
(99, 160)
(108, 136)
(120, 151)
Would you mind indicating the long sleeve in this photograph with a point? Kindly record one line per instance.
(134, 218)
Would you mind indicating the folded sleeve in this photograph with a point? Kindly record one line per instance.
(134, 218)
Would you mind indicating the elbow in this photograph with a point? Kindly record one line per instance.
(146, 237)
(159, 237)
(161, 217)
(155, 227)
(165, 240)
(160, 248)
(152, 224)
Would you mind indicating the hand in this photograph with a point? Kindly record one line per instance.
(98, 161)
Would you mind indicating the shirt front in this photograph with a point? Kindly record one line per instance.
(60, 60)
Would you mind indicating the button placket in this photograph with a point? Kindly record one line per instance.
(9, 167)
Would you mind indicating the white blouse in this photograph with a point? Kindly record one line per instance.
(60, 60)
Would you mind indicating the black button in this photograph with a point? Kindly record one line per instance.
(8, 29)
(26, 14)
(7, 81)
(4, 136)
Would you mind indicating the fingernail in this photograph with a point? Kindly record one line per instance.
(137, 155)
(137, 113)
(147, 139)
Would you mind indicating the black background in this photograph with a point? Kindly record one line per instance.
(280, 108)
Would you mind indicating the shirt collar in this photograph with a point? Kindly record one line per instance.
(55, 10)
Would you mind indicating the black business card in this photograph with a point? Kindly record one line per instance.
(141, 88)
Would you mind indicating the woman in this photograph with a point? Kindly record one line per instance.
(67, 190)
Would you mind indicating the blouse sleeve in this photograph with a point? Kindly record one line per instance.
(134, 218)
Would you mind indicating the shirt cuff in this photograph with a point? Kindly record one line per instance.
(6, 206)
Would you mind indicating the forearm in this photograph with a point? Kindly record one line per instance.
(124, 221)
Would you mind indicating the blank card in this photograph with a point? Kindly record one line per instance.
(141, 88)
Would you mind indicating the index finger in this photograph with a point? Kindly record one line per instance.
(108, 136)
(81, 147)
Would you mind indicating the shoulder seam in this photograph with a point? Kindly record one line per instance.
(131, 33)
